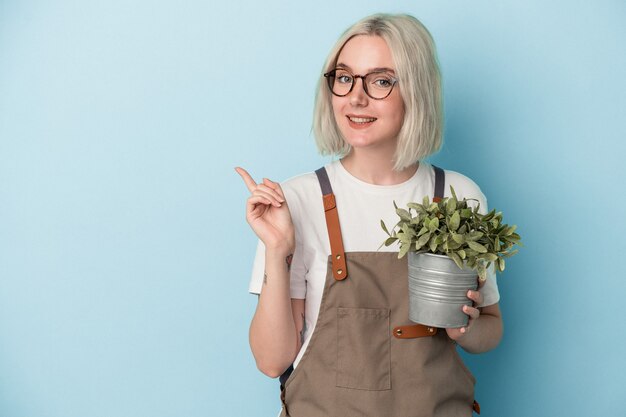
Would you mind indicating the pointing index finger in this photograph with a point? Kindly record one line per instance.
(250, 183)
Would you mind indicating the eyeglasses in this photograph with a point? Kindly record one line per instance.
(377, 84)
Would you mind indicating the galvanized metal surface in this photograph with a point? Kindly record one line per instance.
(438, 290)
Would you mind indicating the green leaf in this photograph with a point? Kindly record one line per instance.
(403, 237)
(422, 241)
(404, 215)
(490, 257)
(452, 245)
(432, 243)
(489, 215)
(500, 264)
(457, 260)
(477, 247)
(422, 231)
(474, 236)
(499, 230)
(450, 205)
(509, 254)
(482, 272)
(509, 230)
(390, 241)
(512, 238)
(453, 193)
(419, 208)
(433, 224)
(461, 253)
(382, 224)
(403, 250)
(453, 225)
(458, 238)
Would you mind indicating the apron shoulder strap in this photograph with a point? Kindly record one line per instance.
(440, 183)
(338, 256)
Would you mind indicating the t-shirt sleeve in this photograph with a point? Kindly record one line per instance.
(297, 275)
(491, 295)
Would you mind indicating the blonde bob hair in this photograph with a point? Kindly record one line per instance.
(419, 80)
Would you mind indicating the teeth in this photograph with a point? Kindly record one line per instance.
(361, 119)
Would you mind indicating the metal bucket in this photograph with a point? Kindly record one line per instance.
(438, 290)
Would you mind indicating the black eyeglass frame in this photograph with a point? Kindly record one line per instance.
(332, 73)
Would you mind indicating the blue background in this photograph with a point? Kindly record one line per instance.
(124, 251)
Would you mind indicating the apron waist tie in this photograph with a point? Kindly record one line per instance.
(413, 331)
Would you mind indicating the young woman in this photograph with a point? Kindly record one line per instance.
(330, 298)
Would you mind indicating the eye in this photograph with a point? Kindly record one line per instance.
(343, 77)
(383, 81)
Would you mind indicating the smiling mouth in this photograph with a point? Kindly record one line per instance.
(361, 120)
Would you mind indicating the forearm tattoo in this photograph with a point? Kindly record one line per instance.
(303, 331)
(288, 260)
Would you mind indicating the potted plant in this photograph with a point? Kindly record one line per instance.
(448, 244)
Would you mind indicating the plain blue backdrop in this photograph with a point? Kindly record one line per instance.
(124, 251)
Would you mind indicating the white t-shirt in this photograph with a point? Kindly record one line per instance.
(361, 207)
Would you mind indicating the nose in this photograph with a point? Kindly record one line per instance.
(358, 97)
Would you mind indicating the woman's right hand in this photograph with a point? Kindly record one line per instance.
(267, 213)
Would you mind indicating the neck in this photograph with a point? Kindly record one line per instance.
(376, 168)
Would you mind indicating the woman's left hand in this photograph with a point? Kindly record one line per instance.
(472, 311)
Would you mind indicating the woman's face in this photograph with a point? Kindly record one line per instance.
(364, 121)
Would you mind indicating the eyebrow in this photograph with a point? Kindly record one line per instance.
(378, 69)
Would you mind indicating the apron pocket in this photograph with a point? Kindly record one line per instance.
(363, 348)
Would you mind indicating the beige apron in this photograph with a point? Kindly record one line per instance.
(365, 358)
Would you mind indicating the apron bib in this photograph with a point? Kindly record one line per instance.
(365, 358)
